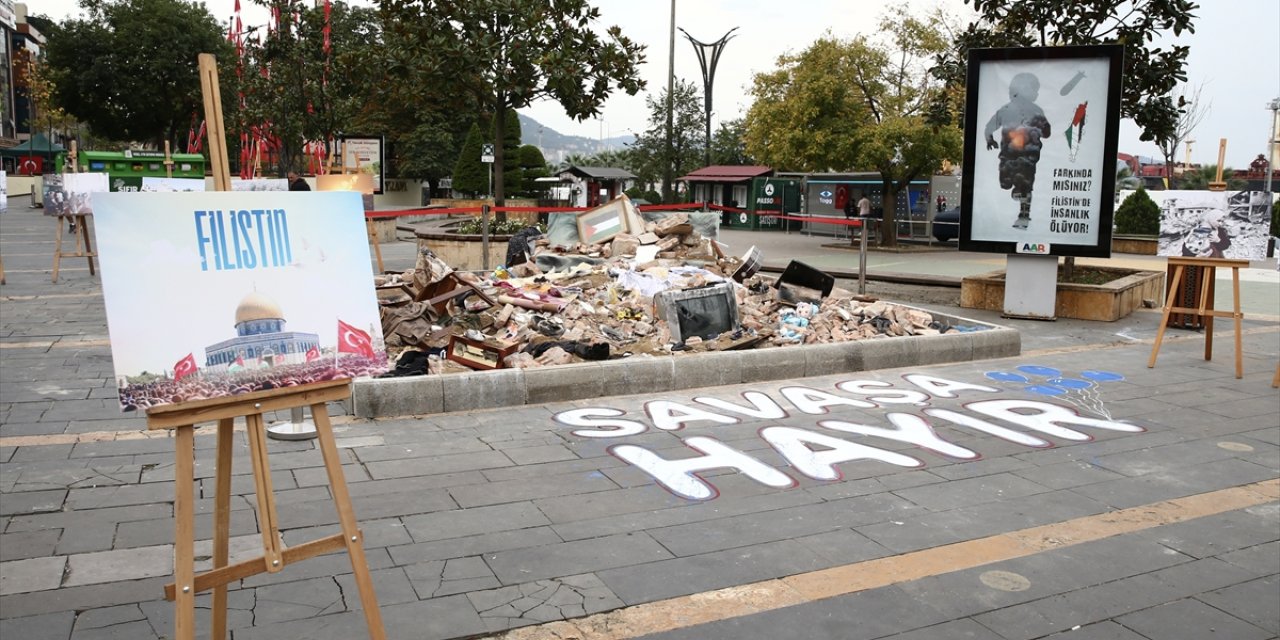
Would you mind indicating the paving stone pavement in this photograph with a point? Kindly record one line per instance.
(515, 520)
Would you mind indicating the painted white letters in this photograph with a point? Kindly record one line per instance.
(678, 475)
(906, 428)
(815, 402)
(793, 444)
(608, 428)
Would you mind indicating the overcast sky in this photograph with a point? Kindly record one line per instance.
(1235, 54)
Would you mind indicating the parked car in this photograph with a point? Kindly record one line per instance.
(946, 225)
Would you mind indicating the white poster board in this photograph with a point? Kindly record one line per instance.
(72, 194)
(222, 293)
(170, 185)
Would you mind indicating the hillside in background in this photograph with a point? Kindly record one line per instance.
(557, 146)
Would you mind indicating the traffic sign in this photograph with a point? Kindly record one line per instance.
(486, 153)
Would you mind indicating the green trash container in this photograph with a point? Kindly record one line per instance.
(769, 198)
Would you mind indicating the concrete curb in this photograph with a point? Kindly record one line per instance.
(419, 395)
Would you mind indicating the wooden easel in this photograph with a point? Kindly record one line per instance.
(182, 418)
(84, 249)
(1205, 309)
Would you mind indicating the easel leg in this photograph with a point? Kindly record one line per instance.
(350, 533)
(57, 248)
(1164, 318)
(222, 523)
(266, 497)
(82, 228)
(184, 540)
(377, 246)
(1206, 283)
(1235, 312)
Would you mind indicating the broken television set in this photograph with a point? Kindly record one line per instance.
(704, 312)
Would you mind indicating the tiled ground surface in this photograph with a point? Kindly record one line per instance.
(489, 520)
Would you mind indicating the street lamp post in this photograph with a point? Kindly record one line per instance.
(708, 57)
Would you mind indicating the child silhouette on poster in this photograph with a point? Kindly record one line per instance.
(1022, 126)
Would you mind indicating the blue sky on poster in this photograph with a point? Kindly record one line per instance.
(1235, 54)
(161, 305)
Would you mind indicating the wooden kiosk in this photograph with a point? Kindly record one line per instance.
(182, 418)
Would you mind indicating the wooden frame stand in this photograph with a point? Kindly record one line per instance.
(182, 419)
(1205, 309)
(83, 247)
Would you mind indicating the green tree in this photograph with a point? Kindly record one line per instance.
(1138, 214)
(294, 91)
(470, 175)
(1198, 178)
(424, 129)
(532, 166)
(871, 116)
(512, 178)
(728, 146)
(1151, 72)
(128, 69)
(649, 159)
(805, 113)
(510, 53)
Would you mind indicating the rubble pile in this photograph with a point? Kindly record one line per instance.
(662, 291)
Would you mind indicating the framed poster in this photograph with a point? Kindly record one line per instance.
(365, 154)
(1041, 129)
(1214, 224)
(603, 223)
(221, 293)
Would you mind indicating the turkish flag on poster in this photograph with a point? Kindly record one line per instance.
(353, 340)
(313, 353)
(184, 367)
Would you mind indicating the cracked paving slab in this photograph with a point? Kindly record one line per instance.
(543, 601)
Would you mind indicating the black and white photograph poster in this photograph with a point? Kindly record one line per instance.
(1041, 127)
(1214, 224)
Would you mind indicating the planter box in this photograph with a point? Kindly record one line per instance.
(465, 252)
(649, 375)
(1106, 302)
(1140, 245)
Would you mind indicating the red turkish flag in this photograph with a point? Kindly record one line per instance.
(314, 353)
(353, 340)
(184, 367)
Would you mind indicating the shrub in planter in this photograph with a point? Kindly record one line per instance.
(1138, 215)
(475, 226)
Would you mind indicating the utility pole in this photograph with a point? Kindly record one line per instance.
(667, 170)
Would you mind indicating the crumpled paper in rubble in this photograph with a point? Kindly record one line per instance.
(585, 306)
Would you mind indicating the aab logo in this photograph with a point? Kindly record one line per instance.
(1038, 248)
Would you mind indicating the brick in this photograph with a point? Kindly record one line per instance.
(569, 558)
(465, 522)
(33, 574)
(694, 574)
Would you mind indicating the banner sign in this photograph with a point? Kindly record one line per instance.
(1041, 130)
(222, 293)
(365, 155)
(1214, 224)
